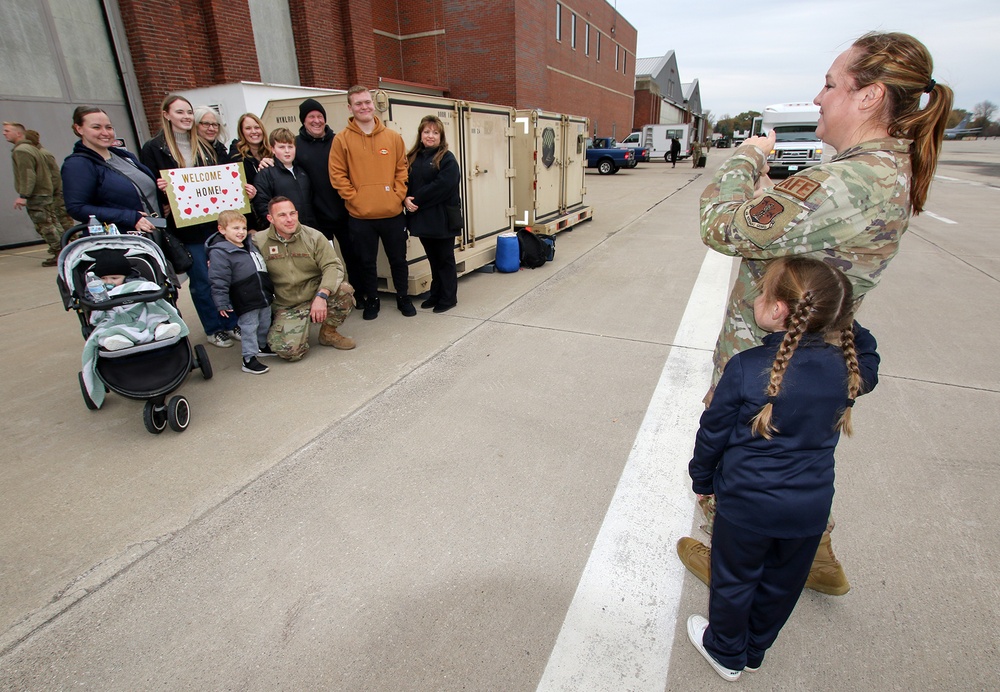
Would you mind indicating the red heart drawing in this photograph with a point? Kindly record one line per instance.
(225, 191)
(181, 188)
(206, 210)
(187, 212)
(214, 199)
(236, 174)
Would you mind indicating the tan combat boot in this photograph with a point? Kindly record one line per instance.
(826, 575)
(329, 336)
(697, 557)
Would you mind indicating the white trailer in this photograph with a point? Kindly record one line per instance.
(657, 137)
(796, 144)
(550, 158)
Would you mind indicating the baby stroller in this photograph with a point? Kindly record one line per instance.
(150, 371)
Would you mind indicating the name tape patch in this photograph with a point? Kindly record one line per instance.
(798, 187)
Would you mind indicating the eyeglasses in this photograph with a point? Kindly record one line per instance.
(209, 126)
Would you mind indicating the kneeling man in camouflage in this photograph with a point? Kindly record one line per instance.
(309, 283)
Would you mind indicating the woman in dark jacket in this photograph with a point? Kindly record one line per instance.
(178, 145)
(433, 208)
(105, 181)
(250, 147)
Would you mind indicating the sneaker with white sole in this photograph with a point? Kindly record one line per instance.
(167, 330)
(696, 626)
(266, 352)
(235, 333)
(116, 342)
(220, 339)
(254, 366)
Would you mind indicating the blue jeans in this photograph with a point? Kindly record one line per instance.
(201, 292)
(254, 326)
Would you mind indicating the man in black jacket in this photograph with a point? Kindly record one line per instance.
(312, 153)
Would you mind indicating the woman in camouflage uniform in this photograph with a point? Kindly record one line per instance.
(850, 212)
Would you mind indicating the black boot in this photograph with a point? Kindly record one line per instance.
(405, 306)
(371, 308)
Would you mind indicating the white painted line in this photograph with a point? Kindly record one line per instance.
(939, 218)
(619, 628)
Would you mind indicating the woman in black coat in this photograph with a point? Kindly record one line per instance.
(179, 145)
(250, 147)
(434, 209)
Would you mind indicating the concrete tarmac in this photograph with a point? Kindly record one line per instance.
(416, 514)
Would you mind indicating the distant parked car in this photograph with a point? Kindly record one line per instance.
(722, 143)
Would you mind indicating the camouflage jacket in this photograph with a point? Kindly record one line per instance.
(31, 175)
(850, 212)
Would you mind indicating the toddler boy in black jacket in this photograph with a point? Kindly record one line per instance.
(240, 284)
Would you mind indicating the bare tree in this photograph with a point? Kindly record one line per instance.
(983, 112)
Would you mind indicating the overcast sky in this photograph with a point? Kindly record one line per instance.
(748, 55)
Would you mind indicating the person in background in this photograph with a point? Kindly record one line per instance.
(368, 168)
(850, 212)
(58, 204)
(34, 189)
(105, 181)
(675, 151)
(432, 188)
(251, 147)
(179, 145)
(312, 153)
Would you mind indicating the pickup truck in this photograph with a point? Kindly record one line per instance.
(606, 157)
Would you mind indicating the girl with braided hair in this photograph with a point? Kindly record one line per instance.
(765, 448)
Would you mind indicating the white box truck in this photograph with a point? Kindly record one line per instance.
(656, 138)
(796, 145)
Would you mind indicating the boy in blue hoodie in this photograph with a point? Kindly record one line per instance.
(240, 284)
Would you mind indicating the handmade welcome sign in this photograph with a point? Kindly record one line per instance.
(198, 195)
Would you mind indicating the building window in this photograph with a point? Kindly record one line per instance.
(598, 46)
(559, 21)
(586, 39)
(572, 29)
(616, 57)
(624, 61)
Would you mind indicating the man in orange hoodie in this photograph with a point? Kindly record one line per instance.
(368, 169)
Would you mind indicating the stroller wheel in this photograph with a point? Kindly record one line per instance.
(86, 397)
(202, 361)
(178, 413)
(154, 418)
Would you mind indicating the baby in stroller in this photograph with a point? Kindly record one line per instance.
(125, 326)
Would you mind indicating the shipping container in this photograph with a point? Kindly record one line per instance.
(479, 135)
(550, 159)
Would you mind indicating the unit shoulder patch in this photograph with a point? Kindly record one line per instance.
(762, 214)
(798, 187)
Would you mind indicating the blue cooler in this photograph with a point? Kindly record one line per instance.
(508, 252)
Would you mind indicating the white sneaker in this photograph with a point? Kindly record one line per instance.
(235, 333)
(116, 342)
(167, 330)
(220, 339)
(696, 626)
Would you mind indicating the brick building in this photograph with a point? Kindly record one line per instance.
(661, 96)
(573, 56)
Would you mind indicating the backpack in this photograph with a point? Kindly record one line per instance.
(534, 251)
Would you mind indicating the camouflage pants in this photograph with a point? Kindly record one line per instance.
(43, 215)
(289, 335)
(65, 220)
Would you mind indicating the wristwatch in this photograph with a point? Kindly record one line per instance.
(324, 296)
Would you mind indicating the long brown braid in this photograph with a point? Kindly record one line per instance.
(815, 295)
(845, 324)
